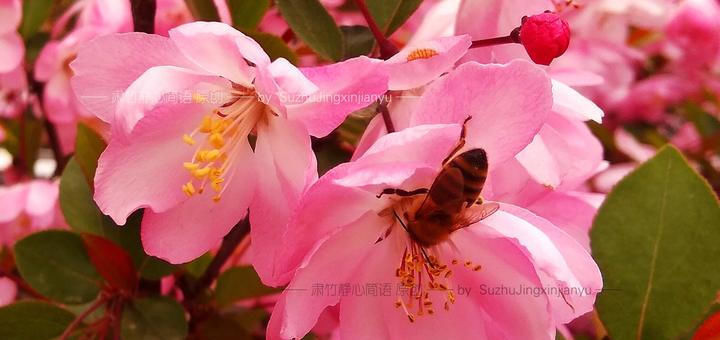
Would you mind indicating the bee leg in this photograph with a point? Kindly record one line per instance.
(403, 193)
(460, 143)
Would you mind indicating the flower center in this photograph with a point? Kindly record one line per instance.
(422, 274)
(421, 53)
(216, 140)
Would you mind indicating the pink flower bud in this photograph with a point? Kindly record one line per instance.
(545, 36)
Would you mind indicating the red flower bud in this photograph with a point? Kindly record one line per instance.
(545, 36)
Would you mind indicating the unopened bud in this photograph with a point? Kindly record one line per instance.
(545, 36)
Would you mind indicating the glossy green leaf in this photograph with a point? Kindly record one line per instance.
(55, 263)
(203, 10)
(35, 13)
(312, 23)
(246, 14)
(83, 215)
(656, 240)
(391, 14)
(88, 147)
(274, 46)
(156, 318)
(358, 41)
(240, 283)
(198, 266)
(76, 201)
(33, 320)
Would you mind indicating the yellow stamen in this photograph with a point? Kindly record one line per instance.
(217, 141)
(200, 173)
(191, 166)
(188, 188)
(421, 53)
(188, 140)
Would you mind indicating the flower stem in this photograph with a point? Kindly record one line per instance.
(143, 13)
(387, 49)
(382, 108)
(99, 303)
(512, 38)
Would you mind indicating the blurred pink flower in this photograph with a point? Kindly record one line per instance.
(8, 291)
(355, 245)
(13, 92)
(212, 87)
(12, 48)
(27, 207)
(695, 31)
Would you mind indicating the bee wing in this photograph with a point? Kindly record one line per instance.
(477, 214)
(446, 192)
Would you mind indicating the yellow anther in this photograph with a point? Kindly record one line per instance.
(214, 174)
(188, 140)
(200, 173)
(191, 166)
(216, 184)
(212, 155)
(216, 198)
(188, 188)
(206, 124)
(217, 141)
(421, 53)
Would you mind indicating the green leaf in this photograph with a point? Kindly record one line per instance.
(358, 41)
(56, 264)
(240, 283)
(83, 215)
(274, 46)
(391, 14)
(203, 10)
(656, 238)
(76, 201)
(32, 320)
(88, 147)
(197, 267)
(246, 14)
(156, 318)
(312, 23)
(35, 13)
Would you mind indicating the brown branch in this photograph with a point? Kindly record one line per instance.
(512, 38)
(99, 303)
(143, 13)
(387, 49)
(383, 110)
(227, 248)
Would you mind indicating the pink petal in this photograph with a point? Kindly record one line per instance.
(42, 197)
(406, 74)
(198, 224)
(8, 291)
(98, 85)
(286, 166)
(343, 88)
(57, 100)
(145, 170)
(558, 258)
(568, 212)
(335, 261)
(12, 51)
(47, 61)
(515, 97)
(213, 47)
(13, 199)
(160, 85)
(572, 104)
(10, 15)
(509, 316)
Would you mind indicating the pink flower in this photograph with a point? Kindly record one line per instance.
(27, 207)
(359, 248)
(695, 31)
(8, 291)
(95, 18)
(422, 62)
(13, 92)
(545, 37)
(12, 48)
(179, 147)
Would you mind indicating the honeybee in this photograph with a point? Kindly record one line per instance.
(453, 201)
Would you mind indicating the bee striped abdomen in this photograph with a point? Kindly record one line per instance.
(473, 165)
